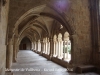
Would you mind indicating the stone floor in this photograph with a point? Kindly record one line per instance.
(30, 63)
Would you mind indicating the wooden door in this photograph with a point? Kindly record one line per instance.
(24, 46)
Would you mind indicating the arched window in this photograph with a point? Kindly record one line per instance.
(67, 47)
(60, 46)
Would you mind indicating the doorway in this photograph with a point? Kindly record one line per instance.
(25, 44)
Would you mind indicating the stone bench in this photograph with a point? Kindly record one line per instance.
(85, 68)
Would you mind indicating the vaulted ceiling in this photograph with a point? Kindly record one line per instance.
(37, 17)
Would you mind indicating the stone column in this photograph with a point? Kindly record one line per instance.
(61, 48)
(58, 48)
(67, 51)
(73, 39)
(14, 49)
(17, 49)
(9, 54)
(45, 47)
(64, 50)
(32, 46)
(36, 45)
(51, 47)
(48, 46)
(42, 46)
(54, 49)
(39, 47)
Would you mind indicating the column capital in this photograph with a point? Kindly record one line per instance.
(51, 39)
(41, 40)
(37, 41)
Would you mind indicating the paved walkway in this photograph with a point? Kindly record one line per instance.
(30, 63)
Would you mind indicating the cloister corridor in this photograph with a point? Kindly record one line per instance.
(30, 63)
(49, 37)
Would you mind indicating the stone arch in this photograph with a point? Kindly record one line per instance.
(55, 38)
(66, 35)
(67, 47)
(60, 46)
(26, 28)
(28, 36)
(25, 43)
(59, 37)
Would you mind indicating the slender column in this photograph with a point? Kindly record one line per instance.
(61, 48)
(51, 47)
(39, 46)
(15, 49)
(42, 45)
(58, 48)
(67, 51)
(54, 50)
(48, 48)
(32, 46)
(64, 50)
(36, 45)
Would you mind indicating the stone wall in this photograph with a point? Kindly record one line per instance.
(79, 18)
(3, 28)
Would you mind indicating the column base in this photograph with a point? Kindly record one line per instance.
(8, 73)
(41, 53)
(50, 55)
(63, 58)
(14, 61)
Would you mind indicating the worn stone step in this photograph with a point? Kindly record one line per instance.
(85, 68)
